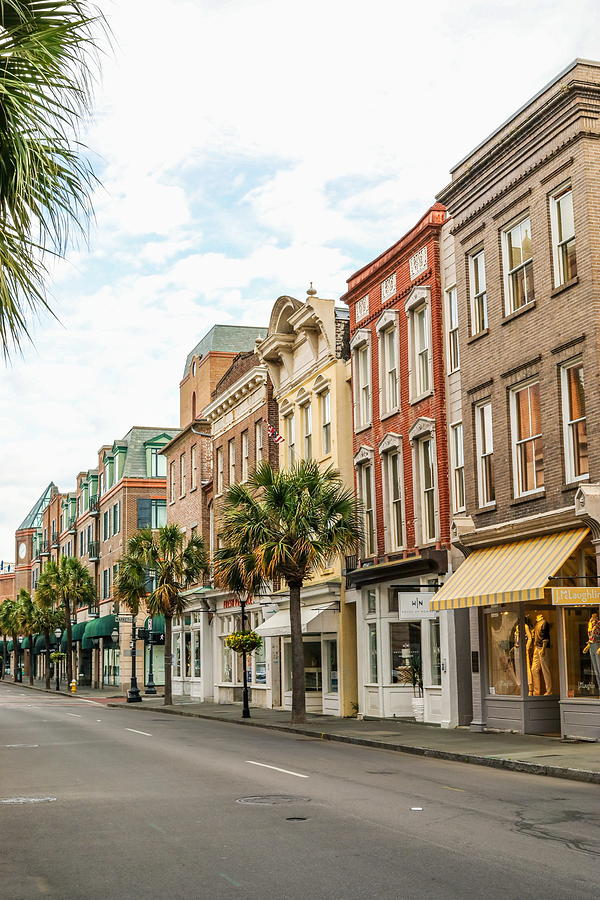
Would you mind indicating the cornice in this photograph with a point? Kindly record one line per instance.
(253, 379)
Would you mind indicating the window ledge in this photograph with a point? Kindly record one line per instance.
(420, 397)
(535, 495)
(518, 312)
(478, 336)
(491, 507)
(171, 503)
(391, 412)
(192, 489)
(565, 286)
(573, 485)
(363, 428)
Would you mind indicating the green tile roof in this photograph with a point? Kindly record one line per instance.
(33, 519)
(134, 440)
(226, 339)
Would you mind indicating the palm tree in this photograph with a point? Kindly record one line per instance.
(131, 588)
(291, 523)
(9, 623)
(4, 631)
(27, 622)
(47, 619)
(66, 585)
(47, 56)
(175, 565)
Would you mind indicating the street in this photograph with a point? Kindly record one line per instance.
(133, 805)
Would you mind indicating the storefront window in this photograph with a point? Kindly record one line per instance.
(542, 658)
(373, 674)
(177, 655)
(110, 665)
(504, 653)
(371, 603)
(312, 666)
(260, 664)
(405, 649)
(435, 651)
(197, 655)
(187, 637)
(227, 663)
(332, 666)
(392, 600)
(582, 636)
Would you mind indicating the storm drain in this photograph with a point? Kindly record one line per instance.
(28, 800)
(272, 800)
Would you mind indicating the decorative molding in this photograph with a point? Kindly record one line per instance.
(480, 387)
(321, 384)
(517, 200)
(362, 308)
(364, 454)
(389, 317)
(556, 172)
(417, 296)
(469, 237)
(423, 425)
(569, 344)
(391, 441)
(362, 336)
(519, 368)
(388, 287)
(418, 263)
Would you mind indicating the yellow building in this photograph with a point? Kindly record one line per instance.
(307, 351)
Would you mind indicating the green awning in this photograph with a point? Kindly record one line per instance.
(77, 632)
(40, 642)
(98, 628)
(10, 646)
(158, 624)
(25, 643)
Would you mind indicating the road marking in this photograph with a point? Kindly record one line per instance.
(98, 720)
(21, 746)
(28, 800)
(75, 715)
(230, 880)
(135, 731)
(446, 788)
(276, 768)
(416, 809)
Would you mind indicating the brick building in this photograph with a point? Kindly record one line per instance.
(525, 208)
(401, 470)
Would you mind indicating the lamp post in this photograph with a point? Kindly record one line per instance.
(150, 686)
(133, 694)
(57, 635)
(19, 663)
(245, 704)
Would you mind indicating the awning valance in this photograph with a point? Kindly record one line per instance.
(40, 642)
(314, 619)
(158, 624)
(508, 573)
(97, 628)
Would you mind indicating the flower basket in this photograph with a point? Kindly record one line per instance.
(243, 640)
(57, 655)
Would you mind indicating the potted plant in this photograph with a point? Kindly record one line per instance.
(412, 674)
(243, 640)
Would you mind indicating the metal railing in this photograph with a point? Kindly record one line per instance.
(44, 548)
(94, 550)
(94, 507)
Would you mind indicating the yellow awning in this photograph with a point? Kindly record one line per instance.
(508, 573)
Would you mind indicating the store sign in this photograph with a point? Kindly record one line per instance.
(234, 604)
(576, 596)
(415, 605)
(125, 619)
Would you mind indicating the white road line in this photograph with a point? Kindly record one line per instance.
(276, 768)
(75, 715)
(135, 731)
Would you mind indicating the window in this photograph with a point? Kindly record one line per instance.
(574, 422)
(452, 320)
(187, 653)
(528, 454)
(388, 339)
(421, 355)
(105, 584)
(518, 265)
(435, 652)
(484, 442)
(365, 485)
(258, 441)
(193, 468)
(479, 311)
(219, 468)
(307, 428)
(393, 466)
(331, 657)
(372, 637)
(197, 654)
(427, 486)
(105, 525)
(231, 460)
(325, 403)
(116, 518)
(182, 475)
(172, 482)
(458, 467)
(245, 455)
(109, 471)
(290, 437)
(563, 237)
(177, 655)
(362, 371)
(158, 513)
(371, 603)
(583, 666)
(158, 463)
(405, 652)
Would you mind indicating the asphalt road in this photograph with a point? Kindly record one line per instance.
(134, 805)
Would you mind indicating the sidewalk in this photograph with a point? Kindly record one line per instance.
(108, 693)
(534, 754)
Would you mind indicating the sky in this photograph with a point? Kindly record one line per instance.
(246, 148)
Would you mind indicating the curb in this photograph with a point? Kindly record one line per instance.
(493, 762)
(41, 690)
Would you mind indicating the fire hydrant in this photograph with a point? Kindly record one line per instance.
(73, 687)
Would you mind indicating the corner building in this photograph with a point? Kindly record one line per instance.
(407, 654)
(525, 207)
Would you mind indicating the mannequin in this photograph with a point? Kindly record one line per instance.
(593, 645)
(541, 642)
(528, 653)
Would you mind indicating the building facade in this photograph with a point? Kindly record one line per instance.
(525, 208)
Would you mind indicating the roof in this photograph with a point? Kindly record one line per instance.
(135, 441)
(226, 339)
(33, 519)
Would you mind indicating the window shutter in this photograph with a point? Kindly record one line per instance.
(144, 513)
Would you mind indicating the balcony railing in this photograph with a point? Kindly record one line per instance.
(44, 548)
(71, 526)
(55, 538)
(351, 565)
(95, 505)
(94, 551)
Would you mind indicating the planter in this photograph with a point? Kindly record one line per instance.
(243, 640)
(418, 706)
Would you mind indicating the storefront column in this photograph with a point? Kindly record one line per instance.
(347, 650)
(478, 721)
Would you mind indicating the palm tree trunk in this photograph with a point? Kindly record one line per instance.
(30, 658)
(168, 659)
(47, 639)
(69, 644)
(3, 656)
(16, 655)
(298, 695)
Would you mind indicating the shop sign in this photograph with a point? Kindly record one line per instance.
(416, 605)
(576, 596)
(234, 603)
(125, 619)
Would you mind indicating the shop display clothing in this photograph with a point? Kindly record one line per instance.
(541, 663)
(594, 649)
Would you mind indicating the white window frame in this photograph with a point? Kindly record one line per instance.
(182, 474)
(452, 341)
(421, 433)
(511, 271)
(394, 505)
(362, 378)
(245, 455)
(558, 244)
(219, 469)
(478, 292)
(172, 478)
(419, 300)
(389, 375)
(289, 421)
(231, 461)
(193, 467)
(258, 441)
(484, 448)
(516, 443)
(457, 458)
(365, 482)
(568, 424)
(325, 408)
(307, 430)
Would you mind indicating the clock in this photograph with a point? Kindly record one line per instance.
(22, 550)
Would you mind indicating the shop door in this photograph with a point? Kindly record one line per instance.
(85, 667)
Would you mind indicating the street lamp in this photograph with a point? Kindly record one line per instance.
(57, 635)
(19, 664)
(150, 686)
(245, 704)
(133, 694)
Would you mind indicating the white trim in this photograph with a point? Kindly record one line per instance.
(570, 476)
(513, 439)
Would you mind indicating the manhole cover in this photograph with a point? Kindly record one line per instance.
(28, 800)
(272, 800)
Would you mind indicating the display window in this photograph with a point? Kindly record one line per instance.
(313, 668)
(582, 640)
(187, 653)
(177, 655)
(504, 653)
(197, 654)
(435, 652)
(332, 666)
(405, 650)
(541, 652)
(373, 662)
